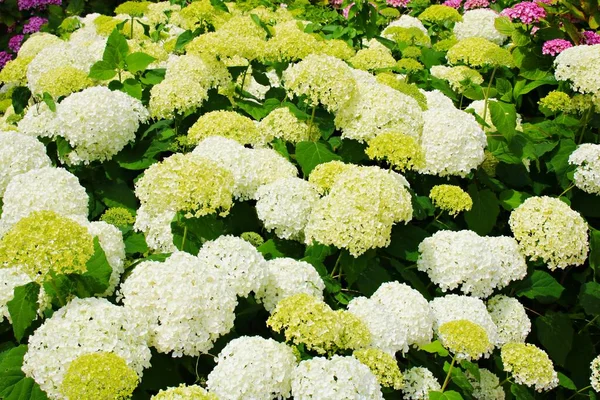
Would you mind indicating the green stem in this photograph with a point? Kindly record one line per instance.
(579, 392)
(61, 300)
(131, 34)
(566, 190)
(312, 120)
(337, 263)
(588, 324)
(185, 229)
(243, 81)
(503, 382)
(487, 93)
(586, 119)
(447, 380)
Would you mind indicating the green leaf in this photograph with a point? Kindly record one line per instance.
(351, 267)
(102, 71)
(136, 243)
(23, 308)
(511, 199)
(132, 88)
(371, 279)
(138, 61)
(47, 97)
(555, 332)
(435, 347)
(504, 26)
(76, 7)
(589, 298)
(504, 117)
(447, 395)
(116, 194)
(13, 383)
(63, 147)
(269, 250)
(520, 392)
(219, 5)
(116, 50)
(258, 22)
(566, 382)
(540, 286)
(20, 98)
(153, 76)
(560, 161)
(594, 258)
(482, 217)
(405, 242)
(256, 110)
(459, 378)
(319, 251)
(311, 154)
(96, 279)
(199, 230)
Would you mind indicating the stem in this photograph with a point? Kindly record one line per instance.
(586, 119)
(503, 382)
(579, 391)
(462, 96)
(312, 119)
(337, 263)
(131, 34)
(588, 324)
(243, 81)
(61, 300)
(487, 93)
(447, 380)
(185, 229)
(566, 190)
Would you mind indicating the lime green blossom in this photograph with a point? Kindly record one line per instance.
(373, 58)
(336, 48)
(99, 376)
(450, 198)
(45, 243)
(383, 366)
(199, 14)
(439, 14)
(445, 44)
(324, 175)
(281, 123)
(459, 77)
(15, 71)
(253, 238)
(400, 150)
(290, 43)
(184, 392)
(529, 365)
(228, 124)
(63, 81)
(479, 52)
(411, 52)
(68, 25)
(409, 65)
(466, 339)
(133, 8)
(118, 216)
(412, 36)
(309, 321)
(105, 24)
(556, 101)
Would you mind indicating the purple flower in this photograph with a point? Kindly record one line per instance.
(336, 3)
(527, 12)
(453, 3)
(34, 24)
(397, 3)
(346, 11)
(590, 37)
(28, 4)
(4, 58)
(471, 4)
(14, 43)
(555, 46)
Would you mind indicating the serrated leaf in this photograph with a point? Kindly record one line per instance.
(589, 298)
(520, 392)
(482, 216)
(20, 99)
(47, 97)
(102, 71)
(555, 332)
(566, 382)
(13, 383)
(504, 26)
(504, 118)
(23, 308)
(138, 61)
(594, 258)
(136, 243)
(540, 286)
(435, 347)
(116, 50)
(132, 88)
(311, 154)
(511, 199)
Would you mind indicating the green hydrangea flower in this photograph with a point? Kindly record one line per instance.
(450, 198)
(400, 150)
(383, 366)
(466, 339)
(479, 52)
(118, 216)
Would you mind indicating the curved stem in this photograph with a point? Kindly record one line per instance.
(579, 392)
(52, 282)
(588, 324)
(487, 93)
(447, 380)
(312, 120)
(185, 230)
(566, 190)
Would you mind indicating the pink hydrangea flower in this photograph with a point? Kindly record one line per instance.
(346, 10)
(397, 3)
(555, 46)
(527, 12)
(471, 4)
(28, 4)
(4, 58)
(590, 37)
(453, 3)
(336, 3)
(34, 24)
(14, 43)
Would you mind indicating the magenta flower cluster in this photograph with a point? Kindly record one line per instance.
(29, 4)
(4, 58)
(34, 24)
(590, 38)
(471, 4)
(555, 46)
(527, 12)
(14, 43)
(452, 3)
(397, 3)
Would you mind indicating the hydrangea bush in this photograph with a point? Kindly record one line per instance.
(321, 200)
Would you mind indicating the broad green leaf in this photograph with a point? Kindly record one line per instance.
(566, 382)
(352, 151)
(540, 286)
(482, 217)
(13, 383)
(589, 298)
(459, 378)
(96, 278)
(520, 392)
(447, 395)
(504, 118)
(136, 243)
(116, 50)
(594, 258)
(473, 368)
(269, 250)
(153, 76)
(219, 5)
(256, 19)
(23, 308)
(351, 267)
(405, 241)
(435, 347)
(132, 88)
(116, 194)
(102, 71)
(311, 154)
(196, 231)
(138, 61)
(555, 332)
(504, 26)
(371, 279)
(511, 199)
(319, 251)
(63, 147)
(20, 99)
(256, 110)
(560, 161)
(47, 97)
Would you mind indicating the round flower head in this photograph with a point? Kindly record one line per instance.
(587, 174)
(450, 198)
(406, 21)
(287, 277)
(555, 46)
(409, 65)
(334, 379)
(382, 365)
(323, 79)
(526, 12)
(396, 81)
(548, 229)
(44, 244)
(399, 150)
(595, 375)
(228, 124)
(183, 392)
(18, 154)
(436, 100)
(101, 376)
(555, 102)
(309, 321)
(251, 168)
(397, 317)
(575, 64)
(48, 188)
(156, 228)
(324, 175)
(253, 238)
(38, 121)
(487, 387)
(290, 42)
(186, 303)
(453, 307)
(588, 37)
(244, 266)
(479, 23)
(82, 327)
(465, 339)
(281, 123)
(418, 382)
(253, 368)
(459, 77)
(529, 365)
(285, 206)
(479, 52)
(373, 58)
(439, 14)
(36, 43)
(510, 318)
(118, 216)
(186, 182)
(63, 81)
(478, 106)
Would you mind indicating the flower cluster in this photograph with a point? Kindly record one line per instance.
(459, 77)
(555, 46)
(383, 366)
(184, 392)
(587, 175)
(418, 382)
(510, 318)
(465, 339)
(19, 154)
(487, 386)
(479, 23)
(450, 198)
(526, 12)
(529, 365)
(399, 150)
(281, 123)
(575, 64)
(228, 124)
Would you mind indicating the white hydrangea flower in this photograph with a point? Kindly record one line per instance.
(452, 141)
(18, 154)
(186, 303)
(36, 43)
(38, 121)
(455, 76)
(98, 123)
(156, 228)
(374, 110)
(548, 229)
(587, 173)
(334, 379)
(479, 23)
(244, 266)
(578, 65)
(477, 264)
(487, 387)
(111, 241)
(510, 318)
(418, 382)
(453, 307)
(406, 21)
(287, 277)
(253, 368)
(595, 375)
(251, 168)
(285, 206)
(48, 188)
(397, 316)
(83, 326)
(437, 99)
